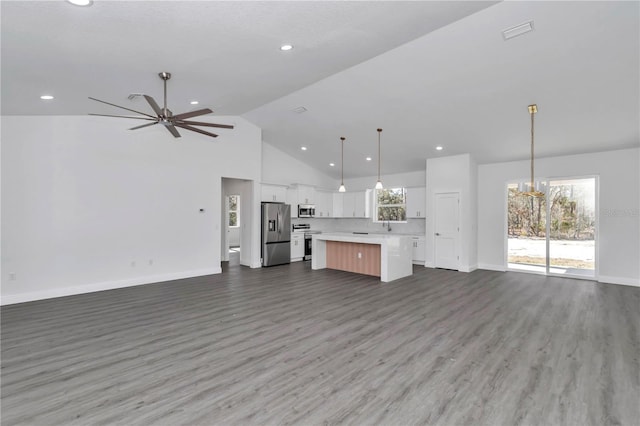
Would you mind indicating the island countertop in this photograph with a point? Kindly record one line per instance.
(395, 252)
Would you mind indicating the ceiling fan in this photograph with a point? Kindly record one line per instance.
(165, 117)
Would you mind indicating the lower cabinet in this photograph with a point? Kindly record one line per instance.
(419, 254)
(297, 247)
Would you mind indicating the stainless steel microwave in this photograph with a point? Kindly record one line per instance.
(306, 210)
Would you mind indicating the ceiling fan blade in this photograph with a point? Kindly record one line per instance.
(118, 106)
(144, 125)
(124, 116)
(154, 105)
(202, 123)
(192, 114)
(193, 129)
(172, 130)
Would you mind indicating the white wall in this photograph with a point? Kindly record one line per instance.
(83, 198)
(619, 219)
(281, 168)
(397, 180)
(453, 174)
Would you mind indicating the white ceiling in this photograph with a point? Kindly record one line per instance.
(428, 73)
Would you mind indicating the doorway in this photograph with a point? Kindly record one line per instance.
(447, 230)
(554, 234)
(236, 218)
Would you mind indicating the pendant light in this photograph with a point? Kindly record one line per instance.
(342, 188)
(533, 109)
(379, 183)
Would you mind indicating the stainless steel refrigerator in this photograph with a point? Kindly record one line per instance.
(276, 234)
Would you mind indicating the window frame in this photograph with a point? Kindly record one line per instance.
(376, 205)
(236, 211)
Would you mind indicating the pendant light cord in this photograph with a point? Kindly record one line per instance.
(532, 112)
(342, 162)
(379, 159)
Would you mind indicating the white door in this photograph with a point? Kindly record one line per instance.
(447, 230)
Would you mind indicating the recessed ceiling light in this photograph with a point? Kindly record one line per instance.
(46, 97)
(286, 47)
(368, 158)
(517, 30)
(81, 2)
(194, 102)
(304, 148)
(439, 148)
(332, 164)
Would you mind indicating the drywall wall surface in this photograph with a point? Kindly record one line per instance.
(619, 207)
(88, 205)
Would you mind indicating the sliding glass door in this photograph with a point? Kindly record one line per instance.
(556, 233)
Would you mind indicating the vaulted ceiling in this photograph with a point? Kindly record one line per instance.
(428, 73)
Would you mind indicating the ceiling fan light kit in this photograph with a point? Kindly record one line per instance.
(164, 115)
(532, 192)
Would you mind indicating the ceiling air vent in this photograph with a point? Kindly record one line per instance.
(299, 110)
(512, 32)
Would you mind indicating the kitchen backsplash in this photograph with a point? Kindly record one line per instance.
(412, 226)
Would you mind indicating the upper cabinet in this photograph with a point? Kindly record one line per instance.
(324, 203)
(356, 204)
(306, 194)
(274, 193)
(416, 202)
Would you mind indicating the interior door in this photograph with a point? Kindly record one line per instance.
(447, 230)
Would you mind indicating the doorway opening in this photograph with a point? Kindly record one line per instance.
(554, 234)
(236, 222)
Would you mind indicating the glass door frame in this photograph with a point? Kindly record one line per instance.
(546, 182)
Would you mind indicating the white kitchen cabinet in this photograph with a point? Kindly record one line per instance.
(274, 193)
(416, 202)
(297, 247)
(306, 194)
(338, 200)
(292, 199)
(419, 253)
(363, 203)
(324, 204)
(356, 204)
(348, 204)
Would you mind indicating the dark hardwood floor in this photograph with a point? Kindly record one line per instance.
(289, 345)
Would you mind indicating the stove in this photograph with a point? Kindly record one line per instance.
(305, 228)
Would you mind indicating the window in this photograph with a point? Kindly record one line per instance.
(391, 205)
(234, 211)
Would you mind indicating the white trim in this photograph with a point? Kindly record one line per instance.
(607, 279)
(490, 267)
(102, 286)
(472, 268)
(429, 264)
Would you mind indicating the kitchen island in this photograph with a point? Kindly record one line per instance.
(387, 256)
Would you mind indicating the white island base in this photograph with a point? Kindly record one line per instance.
(385, 255)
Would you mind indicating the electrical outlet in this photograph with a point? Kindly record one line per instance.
(359, 255)
(12, 276)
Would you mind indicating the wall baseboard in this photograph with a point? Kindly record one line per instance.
(102, 286)
(490, 267)
(607, 279)
(429, 264)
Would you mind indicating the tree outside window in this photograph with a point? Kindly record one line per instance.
(391, 205)
(234, 211)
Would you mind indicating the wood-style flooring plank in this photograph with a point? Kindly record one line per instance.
(290, 345)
